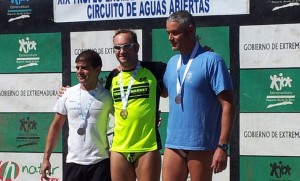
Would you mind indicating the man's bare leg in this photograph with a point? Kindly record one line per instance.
(199, 165)
(148, 166)
(174, 166)
(121, 169)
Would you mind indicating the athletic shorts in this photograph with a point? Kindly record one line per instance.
(94, 172)
(133, 156)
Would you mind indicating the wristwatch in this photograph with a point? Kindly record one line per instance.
(224, 147)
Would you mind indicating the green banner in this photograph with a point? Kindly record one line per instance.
(217, 38)
(25, 132)
(269, 168)
(270, 90)
(39, 52)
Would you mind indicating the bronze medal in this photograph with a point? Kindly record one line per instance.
(178, 99)
(124, 113)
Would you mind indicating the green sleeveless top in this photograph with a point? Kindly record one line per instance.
(136, 133)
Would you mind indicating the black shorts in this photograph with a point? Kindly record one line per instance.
(94, 172)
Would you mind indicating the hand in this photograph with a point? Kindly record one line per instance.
(119, 68)
(46, 167)
(209, 49)
(61, 91)
(219, 160)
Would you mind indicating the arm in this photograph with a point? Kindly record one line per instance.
(228, 110)
(164, 92)
(52, 138)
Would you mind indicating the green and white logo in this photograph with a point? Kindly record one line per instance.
(24, 53)
(27, 53)
(269, 90)
(280, 93)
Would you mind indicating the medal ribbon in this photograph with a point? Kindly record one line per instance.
(179, 64)
(124, 96)
(82, 114)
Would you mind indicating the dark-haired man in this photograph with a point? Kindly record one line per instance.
(86, 106)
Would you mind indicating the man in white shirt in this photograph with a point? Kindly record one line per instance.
(86, 106)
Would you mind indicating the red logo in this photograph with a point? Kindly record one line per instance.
(9, 171)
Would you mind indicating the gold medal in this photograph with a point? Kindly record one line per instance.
(124, 113)
(178, 99)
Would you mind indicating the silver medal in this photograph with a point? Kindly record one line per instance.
(81, 131)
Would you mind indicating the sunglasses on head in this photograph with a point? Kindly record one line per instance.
(126, 46)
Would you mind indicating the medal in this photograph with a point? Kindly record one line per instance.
(124, 113)
(178, 99)
(81, 131)
(179, 85)
(125, 96)
(83, 114)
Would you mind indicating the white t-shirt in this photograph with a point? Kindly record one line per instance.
(92, 147)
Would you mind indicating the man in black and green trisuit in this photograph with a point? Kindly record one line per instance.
(136, 88)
